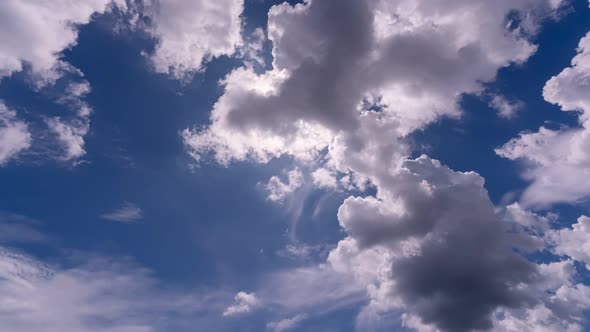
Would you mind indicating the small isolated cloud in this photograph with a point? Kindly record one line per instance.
(506, 109)
(277, 189)
(285, 324)
(243, 304)
(128, 213)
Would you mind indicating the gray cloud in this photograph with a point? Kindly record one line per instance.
(452, 263)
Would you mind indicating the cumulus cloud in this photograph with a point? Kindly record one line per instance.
(14, 135)
(557, 162)
(350, 81)
(506, 109)
(127, 213)
(34, 33)
(324, 178)
(431, 244)
(243, 304)
(336, 61)
(277, 189)
(449, 265)
(190, 33)
(574, 242)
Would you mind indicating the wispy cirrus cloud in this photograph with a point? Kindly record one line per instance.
(127, 213)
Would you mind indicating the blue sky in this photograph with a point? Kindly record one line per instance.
(250, 165)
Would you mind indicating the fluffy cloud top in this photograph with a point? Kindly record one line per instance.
(574, 242)
(35, 32)
(277, 189)
(244, 303)
(189, 33)
(449, 265)
(350, 80)
(558, 161)
(432, 244)
(335, 61)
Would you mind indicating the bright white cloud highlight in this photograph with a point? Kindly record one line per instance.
(243, 304)
(574, 242)
(277, 189)
(34, 33)
(190, 33)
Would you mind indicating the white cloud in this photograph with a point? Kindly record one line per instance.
(277, 190)
(324, 178)
(347, 86)
(14, 135)
(189, 33)
(401, 241)
(506, 109)
(128, 213)
(243, 304)
(16, 229)
(285, 324)
(557, 162)
(561, 307)
(309, 290)
(98, 295)
(34, 33)
(410, 59)
(574, 242)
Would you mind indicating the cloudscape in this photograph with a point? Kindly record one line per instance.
(300, 165)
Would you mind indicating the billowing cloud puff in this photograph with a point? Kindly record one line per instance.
(335, 61)
(350, 80)
(14, 135)
(189, 33)
(243, 303)
(558, 161)
(34, 33)
(431, 244)
(574, 242)
(449, 262)
(278, 189)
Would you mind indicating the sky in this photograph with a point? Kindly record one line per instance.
(318, 165)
